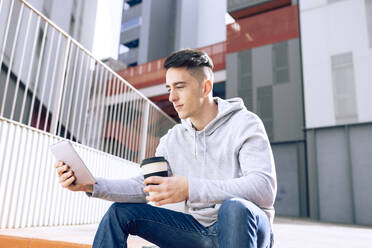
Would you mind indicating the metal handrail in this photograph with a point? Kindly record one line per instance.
(64, 89)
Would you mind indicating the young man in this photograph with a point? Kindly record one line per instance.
(222, 167)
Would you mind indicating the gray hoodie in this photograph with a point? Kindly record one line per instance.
(230, 157)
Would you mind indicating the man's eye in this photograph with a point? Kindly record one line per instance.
(180, 87)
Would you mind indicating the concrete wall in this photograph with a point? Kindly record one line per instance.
(157, 30)
(197, 26)
(291, 199)
(340, 169)
(323, 29)
(106, 29)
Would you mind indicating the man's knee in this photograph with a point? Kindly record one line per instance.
(124, 211)
(236, 209)
(114, 208)
(112, 211)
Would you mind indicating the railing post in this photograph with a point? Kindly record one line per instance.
(59, 87)
(145, 125)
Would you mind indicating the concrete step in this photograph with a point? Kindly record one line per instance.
(79, 236)
(19, 242)
(289, 233)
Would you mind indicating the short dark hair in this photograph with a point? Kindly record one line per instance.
(198, 63)
(188, 58)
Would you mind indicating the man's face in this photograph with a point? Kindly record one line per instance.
(185, 92)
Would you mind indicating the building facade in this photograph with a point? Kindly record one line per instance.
(304, 68)
(336, 38)
(151, 29)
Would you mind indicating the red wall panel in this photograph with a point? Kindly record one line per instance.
(268, 28)
(260, 8)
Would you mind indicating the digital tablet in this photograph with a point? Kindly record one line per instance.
(65, 152)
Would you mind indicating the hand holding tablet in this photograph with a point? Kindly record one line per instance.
(72, 172)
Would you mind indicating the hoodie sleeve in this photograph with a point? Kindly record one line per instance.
(258, 182)
(126, 190)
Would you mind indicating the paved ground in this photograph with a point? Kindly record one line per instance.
(290, 233)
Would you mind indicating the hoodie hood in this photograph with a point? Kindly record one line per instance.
(225, 109)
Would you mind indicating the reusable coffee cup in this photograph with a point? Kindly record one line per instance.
(154, 166)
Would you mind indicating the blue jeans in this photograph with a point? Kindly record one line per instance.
(240, 224)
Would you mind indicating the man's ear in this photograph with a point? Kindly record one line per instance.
(208, 87)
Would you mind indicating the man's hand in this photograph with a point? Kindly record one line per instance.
(169, 189)
(66, 178)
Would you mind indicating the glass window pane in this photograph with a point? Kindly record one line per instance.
(344, 87)
(247, 97)
(245, 61)
(245, 77)
(280, 62)
(281, 55)
(282, 76)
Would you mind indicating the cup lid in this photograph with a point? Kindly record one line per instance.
(153, 160)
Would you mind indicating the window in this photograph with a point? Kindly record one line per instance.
(369, 20)
(131, 24)
(133, 2)
(133, 64)
(280, 63)
(123, 49)
(132, 43)
(344, 88)
(265, 108)
(245, 77)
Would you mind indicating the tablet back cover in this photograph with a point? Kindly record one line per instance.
(64, 151)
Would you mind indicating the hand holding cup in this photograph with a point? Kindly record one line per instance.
(161, 188)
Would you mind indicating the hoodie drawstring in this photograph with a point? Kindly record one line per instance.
(205, 150)
(195, 144)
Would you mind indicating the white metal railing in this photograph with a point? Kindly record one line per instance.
(51, 88)
(50, 82)
(29, 190)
